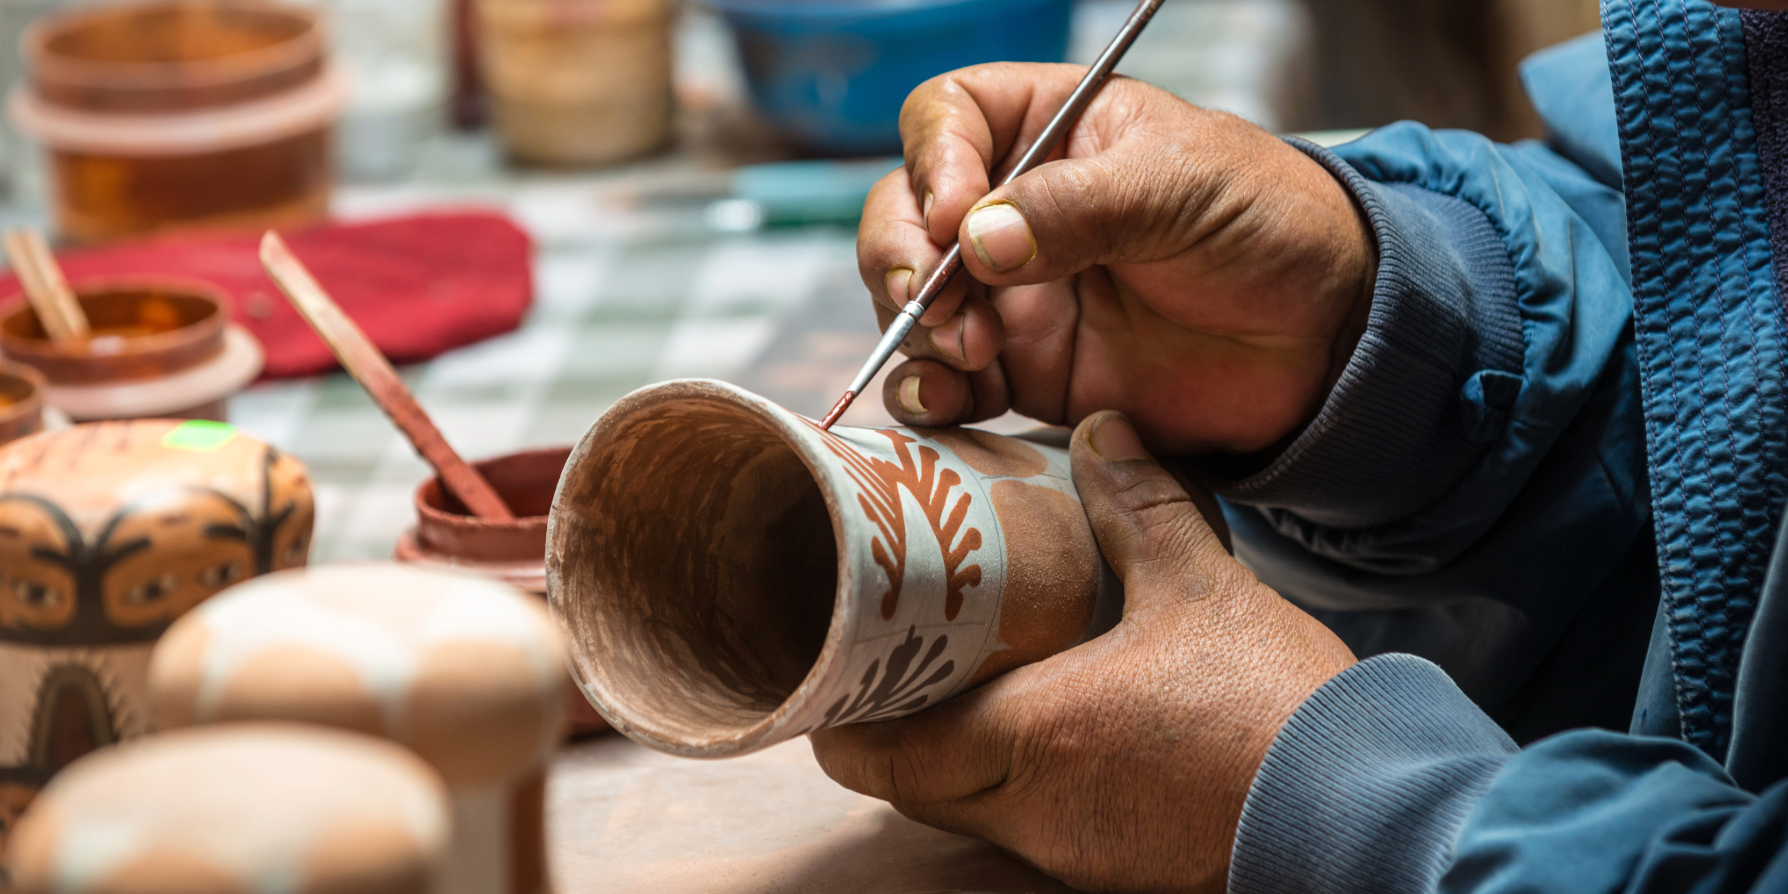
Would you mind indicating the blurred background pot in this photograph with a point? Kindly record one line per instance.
(160, 348)
(831, 77)
(180, 113)
(21, 402)
(577, 82)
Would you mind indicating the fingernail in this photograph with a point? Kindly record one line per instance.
(925, 208)
(1001, 237)
(908, 395)
(947, 339)
(897, 282)
(1115, 440)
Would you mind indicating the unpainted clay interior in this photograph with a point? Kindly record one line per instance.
(698, 569)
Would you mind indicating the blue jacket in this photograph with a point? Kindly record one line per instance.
(1547, 493)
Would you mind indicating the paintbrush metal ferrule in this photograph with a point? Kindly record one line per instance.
(1083, 94)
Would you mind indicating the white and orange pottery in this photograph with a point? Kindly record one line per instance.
(467, 672)
(731, 575)
(243, 808)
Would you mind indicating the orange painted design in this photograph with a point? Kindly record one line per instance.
(881, 482)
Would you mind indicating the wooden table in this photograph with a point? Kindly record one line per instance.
(624, 819)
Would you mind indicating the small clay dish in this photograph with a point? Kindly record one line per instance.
(159, 347)
(513, 551)
(141, 329)
(21, 401)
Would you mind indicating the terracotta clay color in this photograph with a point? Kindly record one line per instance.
(732, 576)
(239, 809)
(166, 342)
(108, 532)
(181, 113)
(468, 673)
(511, 551)
(577, 82)
(448, 538)
(21, 404)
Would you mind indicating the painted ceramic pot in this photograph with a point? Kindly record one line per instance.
(732, 576)
(468, 673)
(21, 401)
(159, 348)
(448, 538)
(108, 532)
(248, 808)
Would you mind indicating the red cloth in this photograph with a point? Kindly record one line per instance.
(417, 285)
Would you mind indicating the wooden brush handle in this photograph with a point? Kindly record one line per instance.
(369, 367)
(44, 285)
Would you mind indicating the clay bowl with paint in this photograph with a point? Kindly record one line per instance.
(158, 347)
(21, 401)
(447, 536)
(731, 576)
(446, 533)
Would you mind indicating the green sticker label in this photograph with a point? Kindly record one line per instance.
(199, 436)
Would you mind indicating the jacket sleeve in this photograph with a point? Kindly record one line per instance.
(1477, 474)
(1388, 780)
(1498, 308)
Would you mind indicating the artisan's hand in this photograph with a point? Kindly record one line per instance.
(1178, 264)
(1122, 764)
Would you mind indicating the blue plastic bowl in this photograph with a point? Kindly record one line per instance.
(830, 75)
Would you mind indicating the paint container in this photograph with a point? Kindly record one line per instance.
(448, 538)
(180, 113)
(159, 348)
(577, 82)
(21, 401)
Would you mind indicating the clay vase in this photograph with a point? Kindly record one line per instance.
(21, 402)
(468, 673)
(248, 808)
(108, 532)
(732, 576)
(448, 538)
(160, 348)
(577, 82)
(180, 113)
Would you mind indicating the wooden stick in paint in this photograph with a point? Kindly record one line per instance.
(45, 286)
(369, 367)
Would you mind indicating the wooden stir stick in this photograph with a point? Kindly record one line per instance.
(369, 367)
(45, 286)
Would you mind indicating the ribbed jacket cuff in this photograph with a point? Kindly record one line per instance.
(1367, 785)
(1430, 384)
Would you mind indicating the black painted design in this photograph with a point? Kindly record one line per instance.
(891, 689)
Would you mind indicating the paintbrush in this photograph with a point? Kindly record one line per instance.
(45, 287)
(1083, 93)
(363, 360)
